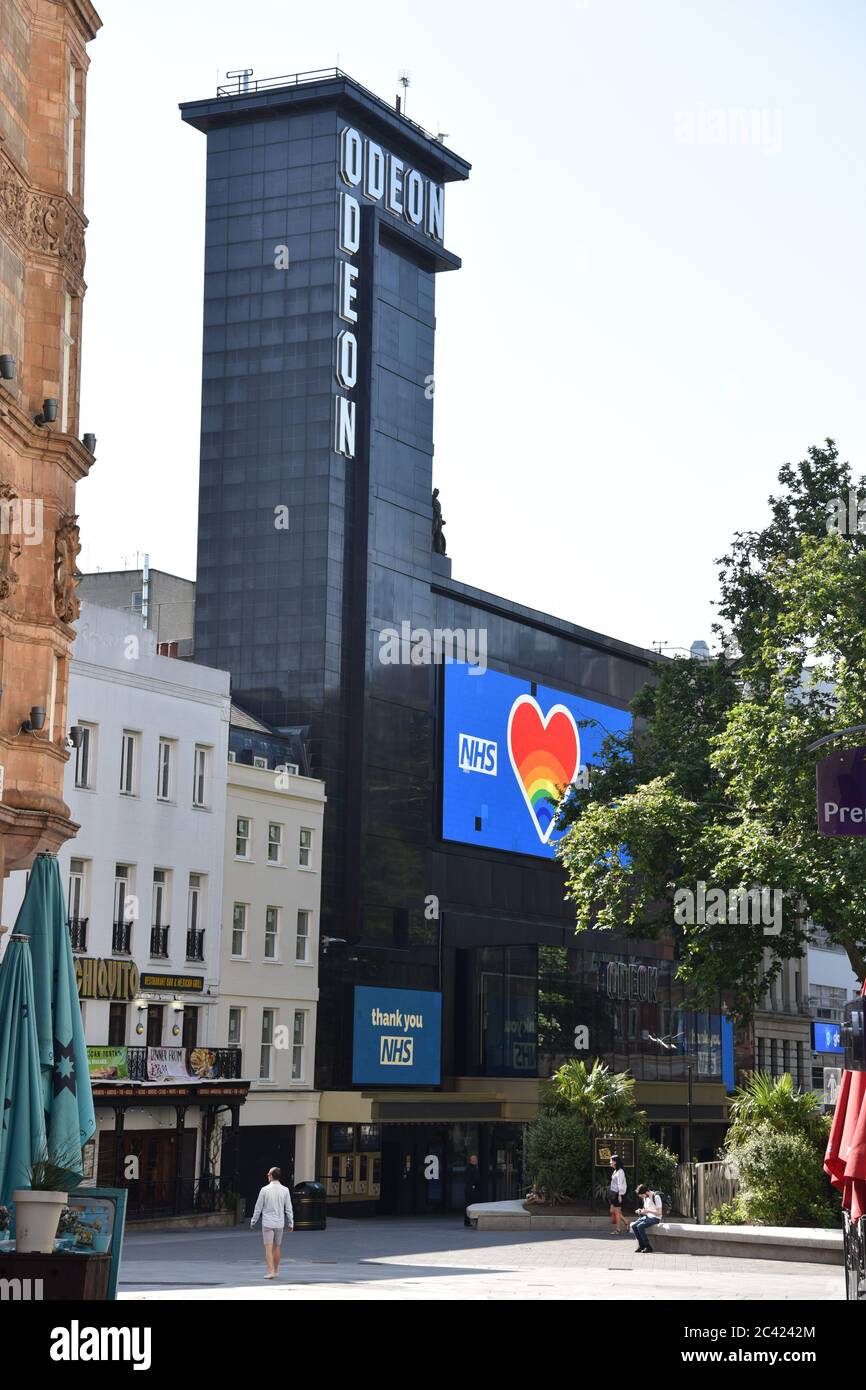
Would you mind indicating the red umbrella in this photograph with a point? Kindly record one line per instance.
(845, 1159)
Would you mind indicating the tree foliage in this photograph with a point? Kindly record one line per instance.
(714, 782)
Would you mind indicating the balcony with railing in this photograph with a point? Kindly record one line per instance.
(121, 939)
(195, 945)
(226, 1065)
(159, 943)
(78, 932)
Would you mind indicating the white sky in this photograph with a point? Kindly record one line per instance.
(643, 330)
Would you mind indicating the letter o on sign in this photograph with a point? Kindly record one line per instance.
(351, 156)
(414, 198)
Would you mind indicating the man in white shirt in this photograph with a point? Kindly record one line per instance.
(650, 1216)
(274, 1206)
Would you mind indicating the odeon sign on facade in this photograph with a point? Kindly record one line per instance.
(408, 196)
(621, 981)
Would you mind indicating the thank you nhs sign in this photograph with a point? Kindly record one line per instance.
(397, 1037)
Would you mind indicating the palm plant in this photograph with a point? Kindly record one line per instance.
(775, 1102)
(603, 1099)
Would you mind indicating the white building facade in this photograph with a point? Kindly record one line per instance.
(269, 962)
(143, 876)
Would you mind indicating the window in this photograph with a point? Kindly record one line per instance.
(774, 1057)
(760, 1058)
(116, 1025)
(200, 774)
(239, 930)
(193, 915)
(272, 931)
(298, 1039)
(85, 757)
(800, 1078)
(302, 938)
(71, 118)
(122, 892)
(75, 893)
(67, 342)
(160, 898)
(305, 851)
(154, 1025)
(189, 1037)
(266, 1055)
(786, 1056)
(242, 838)
(137, 601)
(128, 763)
(275, 843)
(236, 1027)
(165, 771)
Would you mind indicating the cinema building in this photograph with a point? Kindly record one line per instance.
(451, 981)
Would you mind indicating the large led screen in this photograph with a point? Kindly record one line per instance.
(509, 748)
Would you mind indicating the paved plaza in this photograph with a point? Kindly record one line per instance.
(438, 1258)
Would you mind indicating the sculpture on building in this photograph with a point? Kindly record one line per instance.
(10, 544)
(66, 571)
(438, 540)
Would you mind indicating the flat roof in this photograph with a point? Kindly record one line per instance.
(318, 90)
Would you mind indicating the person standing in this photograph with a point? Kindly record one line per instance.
(650, 1216)
(274, 1206)
(616, 1195)
(471, 1186)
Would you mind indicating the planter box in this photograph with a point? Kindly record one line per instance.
(65, 1278)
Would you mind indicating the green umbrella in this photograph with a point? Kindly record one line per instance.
(67, 1094)
(22, 1121)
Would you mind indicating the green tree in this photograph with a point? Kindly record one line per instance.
(775, 1103)
(714, 783)
(602, 1099)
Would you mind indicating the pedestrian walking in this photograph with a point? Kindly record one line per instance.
(616, 1195)
(650, 1215)
(274, 1206)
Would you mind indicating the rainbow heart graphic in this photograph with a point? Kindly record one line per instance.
(545, 754)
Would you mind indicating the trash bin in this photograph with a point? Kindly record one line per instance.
(309, 1203)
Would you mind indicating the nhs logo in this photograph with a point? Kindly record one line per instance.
(477, 754)
(396, 1052)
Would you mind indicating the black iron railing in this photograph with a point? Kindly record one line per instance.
(152, 1200)
(159, 942)
(855, 1258)
(195, 945)
(226, 1063)
(78, 932)
(121, 939)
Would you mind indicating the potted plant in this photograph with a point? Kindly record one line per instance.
(38, 1207)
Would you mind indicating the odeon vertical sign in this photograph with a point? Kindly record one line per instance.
(408, 196)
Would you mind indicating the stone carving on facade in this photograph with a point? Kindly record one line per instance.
(438, 536)
(66, 571)
(10, 545)
(40, 223)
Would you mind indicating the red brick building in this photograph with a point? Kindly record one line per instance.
(43, 68)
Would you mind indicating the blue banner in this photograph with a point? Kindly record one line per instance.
(397, 1037)
(826, 1037)
(510, 749)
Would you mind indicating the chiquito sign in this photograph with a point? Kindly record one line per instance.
(380, 177)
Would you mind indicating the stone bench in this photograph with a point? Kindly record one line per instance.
(801, 1244)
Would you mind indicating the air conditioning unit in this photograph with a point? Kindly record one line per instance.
(290, 769)
(260, 762)
(233, 757)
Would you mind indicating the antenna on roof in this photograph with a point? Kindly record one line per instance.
(404, 80)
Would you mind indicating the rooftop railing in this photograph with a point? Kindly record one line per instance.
(242, 83)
